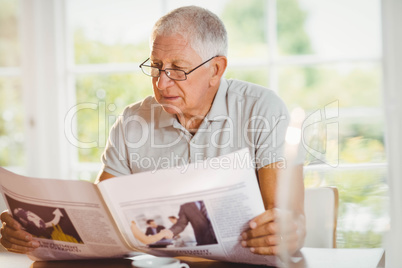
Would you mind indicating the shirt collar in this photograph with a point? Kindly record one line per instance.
(219, 109)
(166, 119)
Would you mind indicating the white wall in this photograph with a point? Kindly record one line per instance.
(392, 55)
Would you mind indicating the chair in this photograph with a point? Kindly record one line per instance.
(321, 209)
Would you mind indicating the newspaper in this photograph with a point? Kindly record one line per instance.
(77, 219)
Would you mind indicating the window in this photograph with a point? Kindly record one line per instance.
(319, 55)
(12, 149)
(341, 64)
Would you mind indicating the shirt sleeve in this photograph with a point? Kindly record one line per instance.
(115, 157)
(181, 223)
(270, 126)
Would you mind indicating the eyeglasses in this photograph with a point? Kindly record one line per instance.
(174, 74)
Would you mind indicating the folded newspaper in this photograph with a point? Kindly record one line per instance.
(77, 219)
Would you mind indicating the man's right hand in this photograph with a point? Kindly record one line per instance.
(167, 233)
(13, 238)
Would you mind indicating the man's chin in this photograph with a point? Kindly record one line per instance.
(171, 109)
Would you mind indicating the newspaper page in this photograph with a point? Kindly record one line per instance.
(205, 205)
(68, 218)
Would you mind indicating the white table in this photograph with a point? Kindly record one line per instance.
(309, 258)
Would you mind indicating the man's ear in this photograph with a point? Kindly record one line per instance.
(218, 67)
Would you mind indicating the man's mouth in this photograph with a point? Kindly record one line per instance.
(170, 97)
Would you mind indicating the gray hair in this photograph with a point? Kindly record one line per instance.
(204, 30)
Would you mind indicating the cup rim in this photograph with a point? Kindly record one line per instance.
(144, 261)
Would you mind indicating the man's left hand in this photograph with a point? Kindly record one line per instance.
(272, 231)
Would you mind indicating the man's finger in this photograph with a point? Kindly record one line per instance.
(263, 241)
(267, 216)
(273, 250)
(262, 230)
(9, 220)
(281, 223)
(16, 248)
(18, 235)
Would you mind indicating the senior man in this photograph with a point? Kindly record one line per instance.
(196, 114)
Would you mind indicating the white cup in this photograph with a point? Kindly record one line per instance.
(160, 262)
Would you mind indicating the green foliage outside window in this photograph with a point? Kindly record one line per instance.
(11, 123)
(11, 108)
(94, 52)
(111, 94)
(9, 39)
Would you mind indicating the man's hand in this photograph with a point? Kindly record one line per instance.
(167, 233)
(272, 231)
(13, 238)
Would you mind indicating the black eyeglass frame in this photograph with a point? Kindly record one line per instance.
(172, 69)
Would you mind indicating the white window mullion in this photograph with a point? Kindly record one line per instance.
(10, 71)
(392, 43)
(71, 98)
(43, 80)
(305, 60)
(106, 68)
(272, 44)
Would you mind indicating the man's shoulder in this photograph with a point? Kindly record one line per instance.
(140, 107)
(245, 89)
(252, 93)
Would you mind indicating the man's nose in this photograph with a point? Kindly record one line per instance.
(164, 81)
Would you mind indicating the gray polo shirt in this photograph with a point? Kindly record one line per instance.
(243, 115)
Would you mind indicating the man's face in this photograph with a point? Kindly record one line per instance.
(191, 97)
(153, 224)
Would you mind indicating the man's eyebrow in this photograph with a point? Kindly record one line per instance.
(174, 62)
(182, 61)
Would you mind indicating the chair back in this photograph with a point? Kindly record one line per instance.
(321, 209)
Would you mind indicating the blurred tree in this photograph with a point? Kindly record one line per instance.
(11, 109)
(9, 41)
(111, 94)
(92, 51)
(292, 37)
(246, 22)
(11, 123)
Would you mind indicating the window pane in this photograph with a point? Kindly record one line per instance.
(363, 204)
(11, 123)
(345, 28)
(257, 75)
(346, 139)
(101, 99)
(358, 136)
(245, 22)
(361, 139)
(9, 39)
(112, 31)
(352, 85)
(292, 37)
